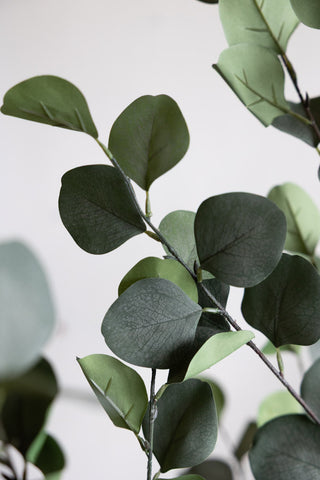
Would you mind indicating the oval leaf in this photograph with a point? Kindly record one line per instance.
(307, 11)
(189, 477)
(151, 323)
(185, 430)
(26, 314)
(302, 215)
(213, 470)
(240, 237)
(152, 267)
(310, 387)
(268, 23)
(286, 306)
(51, 100)
(215, 349)
(97, 209)
(46, 454)
(256, 76)
(286, 448)
(149, 138)
(277, 404)
(119, 389)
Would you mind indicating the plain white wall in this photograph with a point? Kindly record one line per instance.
(116, 51)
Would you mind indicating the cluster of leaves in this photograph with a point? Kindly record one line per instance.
(28, 384)
(170, 313)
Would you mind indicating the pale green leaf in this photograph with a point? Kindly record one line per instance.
(277, 404)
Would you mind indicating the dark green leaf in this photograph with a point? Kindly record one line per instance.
(256, 76)
(293, 126)
(119, 389)
(240, 237)
(218, 395)
(286, 306)
(209, 1)
(286, 448)
(28, 399)
(307, 11)
(310, 387)
(213, 470)
(51, 100)
(152, 267)
(149, 138)
(302, 215)
(246, 440)
(97, 210)
(277, 404)
(26, 314)
(188, 477)
(151, 323)
(185, 430)
(268, 23)
(46, 454)
(218, 289)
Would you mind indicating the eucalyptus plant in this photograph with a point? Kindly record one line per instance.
(171, 312)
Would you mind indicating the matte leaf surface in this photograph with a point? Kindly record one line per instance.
(213, 470)
(215, 349)
(310, 387)
(302, 215)
(286, 448)
(286, 306)
(51, 100)
(256, 76)
(151, 323)
(152, 267)
(119, 389)
(46, 454)
(26, 313)
(27, 401)
(97, 210)
(185, 429)
(307, 11)
(240, 237)
(277, 404)
(149, 138)
(246, 440)
(189, 477)
(268, 23)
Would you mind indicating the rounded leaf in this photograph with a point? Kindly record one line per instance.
(151, 323)
(240, 237)
(152, 267)
(277, 404)
(26, 314)
(213, 470)
(119, 389)
(286, 448)
(51, 100)
(310, 387)
(185, 430)
(97, 209)
(46, 454)
(302, 215)
(307, 11)
(286, 306)
(149, 138)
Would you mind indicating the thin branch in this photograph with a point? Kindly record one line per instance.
(152, 417)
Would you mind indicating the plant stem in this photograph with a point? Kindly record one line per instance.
(211, 297)
(152, 417)
(280, 362)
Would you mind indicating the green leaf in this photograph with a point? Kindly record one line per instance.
(286, 306)
(51, 100)
(26, 314)
(277, 404)
(152, 267)
(307, 11)
(215, 349)
(213, 470)
(295, 127)
(185, 430)
(268, 23)
(256, 76)
(97, 209)
(270, 349)
(149, 138)
(119, 389)
(209, 1)
(151, 323)
(286, 448)
(46, 454)
(232, 230)
(302, 215)
(189, 477)
(246, 440)
(310, 387)
(25, 408)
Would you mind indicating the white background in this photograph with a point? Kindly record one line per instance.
(116, 51)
